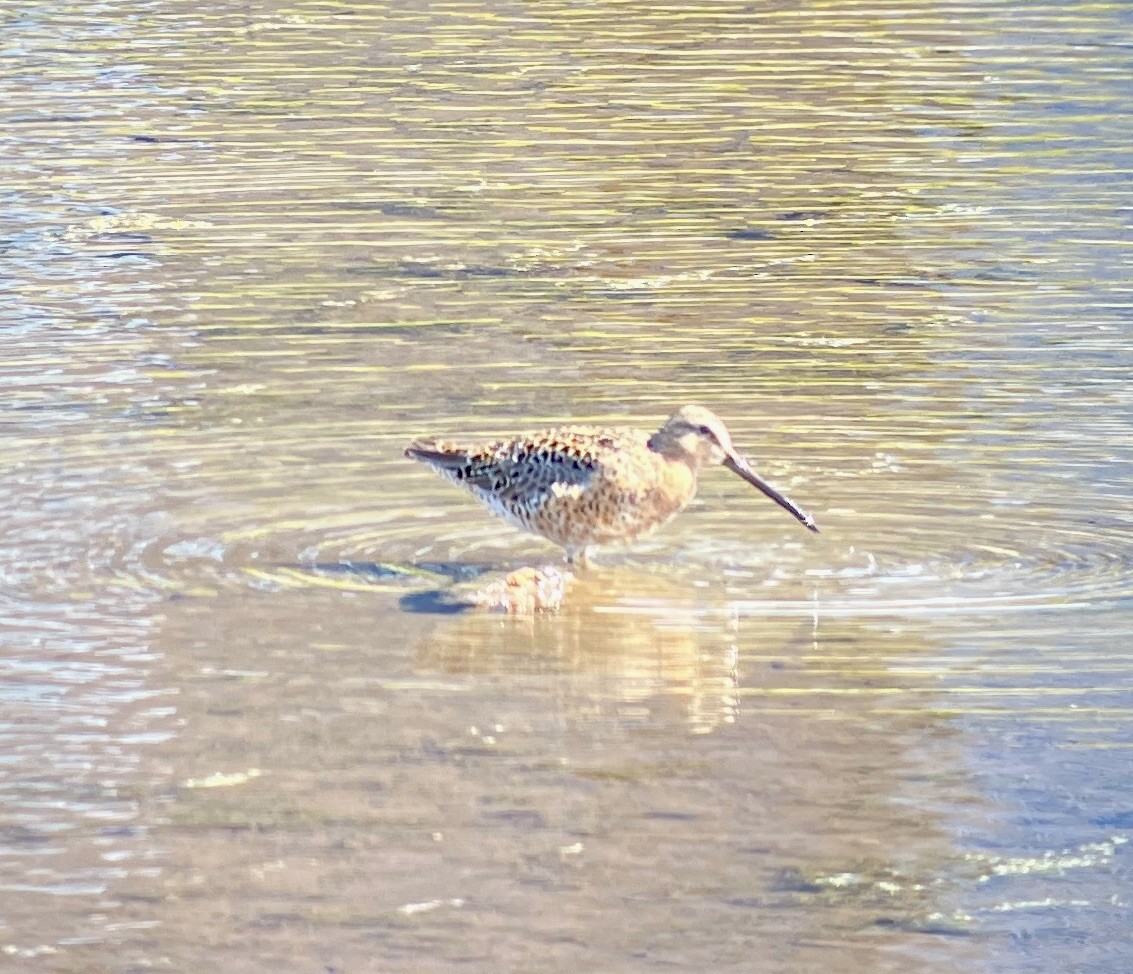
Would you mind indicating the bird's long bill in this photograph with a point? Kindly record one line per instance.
(739, 465)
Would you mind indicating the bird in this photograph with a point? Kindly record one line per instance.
(582, 487)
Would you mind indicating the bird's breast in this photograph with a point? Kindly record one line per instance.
(625, 498)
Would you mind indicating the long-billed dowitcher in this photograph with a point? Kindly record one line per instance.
(584, 486)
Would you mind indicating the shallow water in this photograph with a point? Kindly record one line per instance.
(251, 250)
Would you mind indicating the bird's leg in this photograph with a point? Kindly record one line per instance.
(578, 558)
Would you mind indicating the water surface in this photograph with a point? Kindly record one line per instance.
(251, 251)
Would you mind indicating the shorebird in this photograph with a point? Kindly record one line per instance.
(585, 486)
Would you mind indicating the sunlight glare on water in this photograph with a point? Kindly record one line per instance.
(251, 251)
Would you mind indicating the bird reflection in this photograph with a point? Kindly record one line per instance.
(631, 644)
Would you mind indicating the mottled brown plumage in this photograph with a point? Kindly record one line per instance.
(583, 486)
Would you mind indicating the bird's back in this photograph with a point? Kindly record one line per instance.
(577, 486)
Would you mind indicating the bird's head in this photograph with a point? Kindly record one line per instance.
(698, 437)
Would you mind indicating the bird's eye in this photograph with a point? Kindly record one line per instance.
(707, 431)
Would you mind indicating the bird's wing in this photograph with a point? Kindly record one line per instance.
(527, 468)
